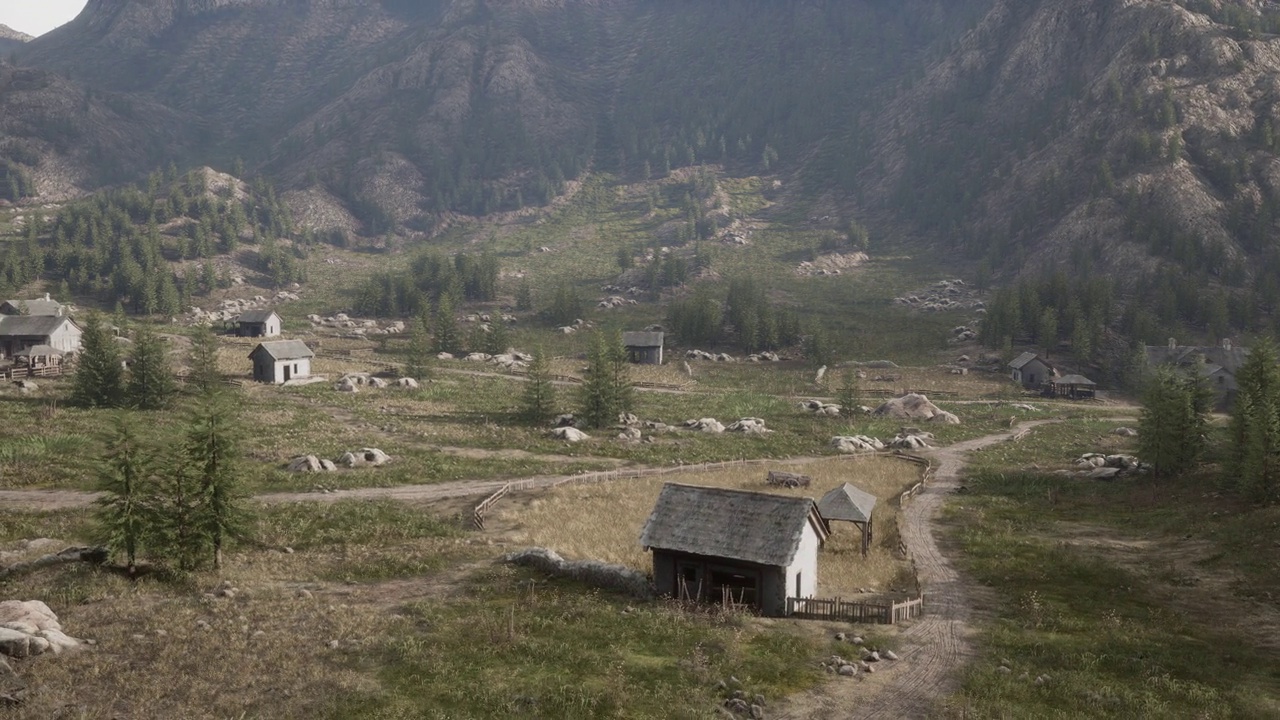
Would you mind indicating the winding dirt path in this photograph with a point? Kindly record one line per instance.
(939, 643)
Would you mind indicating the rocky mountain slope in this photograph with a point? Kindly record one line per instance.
(11, 39)
(1125, 135)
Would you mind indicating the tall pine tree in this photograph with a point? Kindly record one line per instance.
(210, 454)
(99, 379)
(446, 337)
(1171, 425)
(126, 511)
(151, 384)
(538, 404)
(1255, 426)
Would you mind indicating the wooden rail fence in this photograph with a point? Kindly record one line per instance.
(22, 373)
(856, 612)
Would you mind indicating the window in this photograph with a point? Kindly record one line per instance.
(798, 585)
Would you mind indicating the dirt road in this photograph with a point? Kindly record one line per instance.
(938, 644)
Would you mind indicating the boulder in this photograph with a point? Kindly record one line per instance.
(346, 384)
(14, 643)
(909, 442)
(305, 463)
(364, 457)
(628, 419)
(907, 407)
(1125, 432)
(407, 382)
(706, 425)
(566, 420)
(945, 418)
(377, 382)
(854, 444)
(478, 357)
(630, 434)
(570, 434)
(31, 628)
(444, 356)
(749, 426)
(1104, 473)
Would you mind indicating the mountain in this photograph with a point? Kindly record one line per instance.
(404, 110)
(1126, 139)
(11, 39)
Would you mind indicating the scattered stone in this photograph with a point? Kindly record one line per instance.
(908, 407)
(631, 434)
(364, 457)
(570, 434)
(909, 442)
(1003, 670)
(347, 384)
(889, 655)
(1125, 432)
(706, 425)
(748, 426)
(945, 418)
(303, 594)
(855, 444)
(847, 670)
(309, 464)
(444, 356)
(566, 420)
(856, 640)
(1025, 407)
(407, 382)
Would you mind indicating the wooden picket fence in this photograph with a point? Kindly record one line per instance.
(23, 372)
(837, 609)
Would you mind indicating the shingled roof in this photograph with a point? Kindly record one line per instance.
(760, 528)
(1020, 361)
(284, 350)
(37, 306)
(642, 339)
(255, 316)
(31, 325)
(1073, 380)
(847, 503)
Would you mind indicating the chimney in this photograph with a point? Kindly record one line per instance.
(1226, 344)
(46, 297)
(1173, 343)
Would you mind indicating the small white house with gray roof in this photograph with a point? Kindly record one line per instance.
(717, 545)
(258, 323)
(20, 332)
(280, 361)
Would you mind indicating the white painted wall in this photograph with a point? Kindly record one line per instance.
(66, 338)
(805, 564)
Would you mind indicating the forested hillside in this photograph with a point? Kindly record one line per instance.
(1085, 152)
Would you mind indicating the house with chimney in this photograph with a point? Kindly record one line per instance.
(1218, 364)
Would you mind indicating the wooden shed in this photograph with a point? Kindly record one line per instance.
(748, 548)
(280, 361)
(19, 332)
(258, 323)
(1076, 387)
(643, 348)
(853, 505)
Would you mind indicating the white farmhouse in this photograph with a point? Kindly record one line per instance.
(280, 361)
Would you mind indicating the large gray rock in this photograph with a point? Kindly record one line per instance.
(907, 407)
(305, 463)
(347, 384)
(364, 457)
(909, 442)
(31, 628)
(855, 444)
(14, 643)
(748, 426)
(706, 425)
(945, 418)
(569, 434)
(407, 382)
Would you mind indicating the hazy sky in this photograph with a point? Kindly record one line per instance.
(37, 17)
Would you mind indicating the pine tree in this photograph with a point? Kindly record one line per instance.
(210, 454)
(419, 348)
(99, 379)
(179, 533)
(1171, 426)
(621, 390)
(524, 295)
(151, 384)
(538, 404)
(848, 394)
(204, 377)
(498, 339)
(126, 510)
(446, 328)
(1255, 425)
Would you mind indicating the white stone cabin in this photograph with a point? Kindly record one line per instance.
(39, 306)
(750, 548)
(258, 323)
(279, 361)
(643, 348)
(1031, 370)
(20, 333)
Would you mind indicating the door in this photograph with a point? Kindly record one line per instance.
(688, 582)
(287, 374)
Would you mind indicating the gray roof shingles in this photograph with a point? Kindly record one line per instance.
(255, 316)
(847, 503)
(642, 339)
(284, 350)
(30, 325)
(760, 528)
(1021, 361)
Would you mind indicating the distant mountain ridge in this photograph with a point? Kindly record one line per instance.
(11, 39)
(1117, 136)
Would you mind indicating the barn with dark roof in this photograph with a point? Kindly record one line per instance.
(748, 548)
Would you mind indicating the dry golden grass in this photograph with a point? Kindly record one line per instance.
(604, 521)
